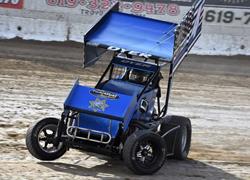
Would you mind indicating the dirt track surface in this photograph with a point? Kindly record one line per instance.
(214, 92)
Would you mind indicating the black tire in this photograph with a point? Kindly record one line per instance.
(34, 140)
(178, 142)
(144, 152)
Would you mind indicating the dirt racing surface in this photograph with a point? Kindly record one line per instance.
(214, 92)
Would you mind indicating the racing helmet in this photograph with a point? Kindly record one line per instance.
(138, 76)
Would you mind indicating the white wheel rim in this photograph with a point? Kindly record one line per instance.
(45, 137)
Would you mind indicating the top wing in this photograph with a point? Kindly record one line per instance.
(144, 37)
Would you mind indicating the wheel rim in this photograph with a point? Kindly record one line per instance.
(146, 153)
(184, 139)
(46, 138)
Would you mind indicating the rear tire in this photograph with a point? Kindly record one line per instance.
(144, 152)
(179, 141)
(39, 140)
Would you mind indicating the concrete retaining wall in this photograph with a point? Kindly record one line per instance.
(226, 30)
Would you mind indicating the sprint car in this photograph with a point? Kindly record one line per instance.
(125, 114)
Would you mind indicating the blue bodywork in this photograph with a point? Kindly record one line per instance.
(99, 112)
(80, 99)
(115, 104)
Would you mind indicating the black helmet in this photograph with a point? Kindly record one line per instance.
(138, 76)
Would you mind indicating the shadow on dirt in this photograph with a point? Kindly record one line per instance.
(173, 170)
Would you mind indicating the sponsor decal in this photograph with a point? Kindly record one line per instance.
(134, 53)
(105, 94)
(14, 4)
(135, 63)
(98, 105)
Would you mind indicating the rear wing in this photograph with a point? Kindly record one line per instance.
(143, 37)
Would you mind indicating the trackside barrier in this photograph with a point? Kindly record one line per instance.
(226, 24)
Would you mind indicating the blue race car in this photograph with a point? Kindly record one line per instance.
(124, 113)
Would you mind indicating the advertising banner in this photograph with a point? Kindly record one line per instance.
(216, 3)
(225, 21)
(245, 4)
(14, 4)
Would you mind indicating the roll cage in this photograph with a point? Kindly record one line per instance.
(151, 69)
(133, 37)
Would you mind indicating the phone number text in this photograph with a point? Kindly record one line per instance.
(227, 17)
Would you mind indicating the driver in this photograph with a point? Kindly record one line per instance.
(137, 76)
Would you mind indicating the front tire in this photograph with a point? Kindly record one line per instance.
(40, 140)
(144, 152)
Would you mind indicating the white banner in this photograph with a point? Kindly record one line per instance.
(226, 30)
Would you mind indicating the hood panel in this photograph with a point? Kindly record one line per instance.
(100, 103)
